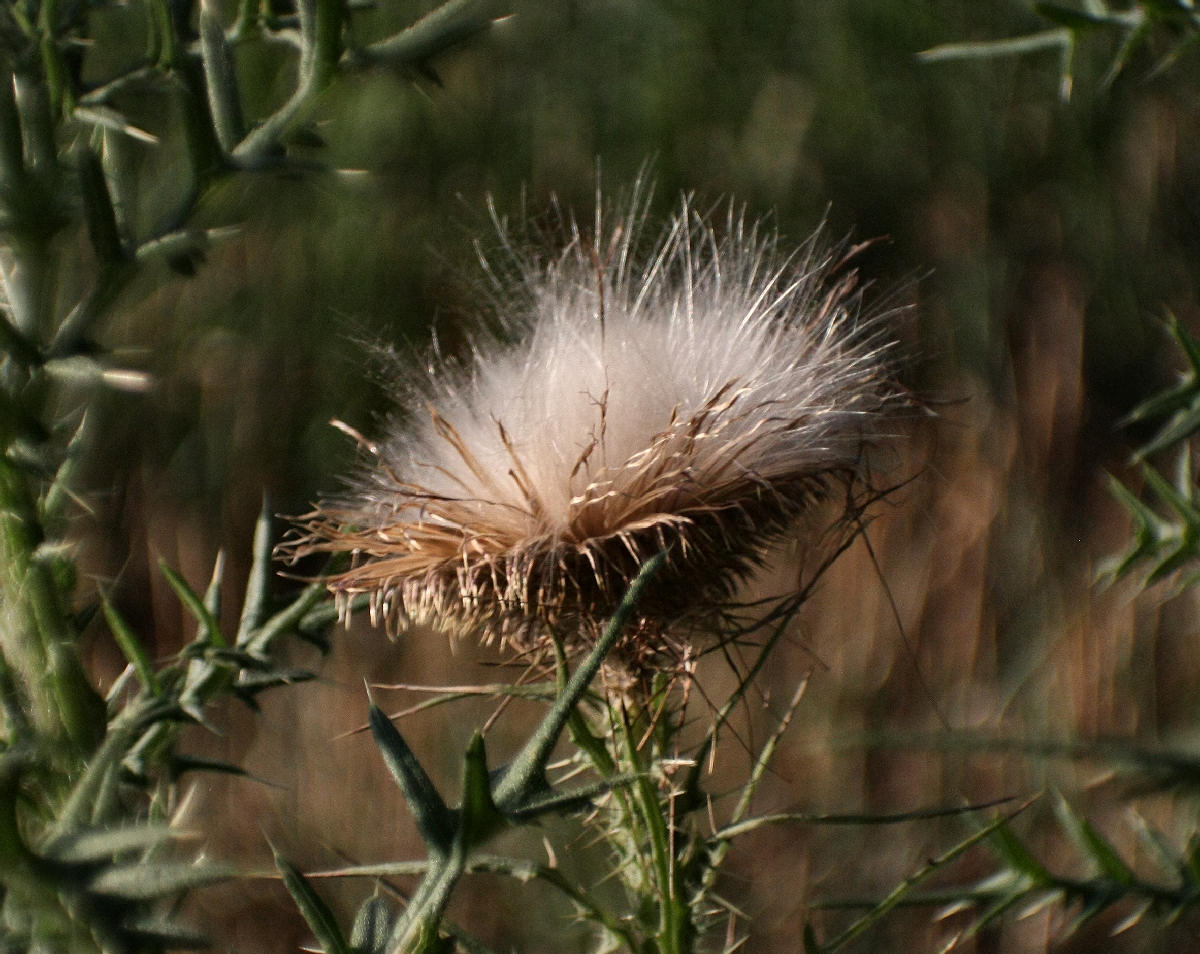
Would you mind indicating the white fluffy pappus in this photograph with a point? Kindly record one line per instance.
(695, 392)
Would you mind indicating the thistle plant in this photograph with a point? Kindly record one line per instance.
(635, 433)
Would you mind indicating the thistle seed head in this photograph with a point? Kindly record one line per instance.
(695, 392)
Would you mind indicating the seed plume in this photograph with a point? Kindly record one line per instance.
(696, 391)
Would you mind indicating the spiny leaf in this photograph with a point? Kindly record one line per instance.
(577, 799)
(994, 911)
(192, 763)
(1149, 529)
(212, 596)
(147, 881)
(86, 846)
(446, 26)
(98, 210)
(478, 815)
(287, 620)
(373, 926)
(220, 77)
(258, 586)
(1014, 852)
(210, 629)
(252, 683)
(132, 649)
(434, 820)
(315, 911)
(1094, 845)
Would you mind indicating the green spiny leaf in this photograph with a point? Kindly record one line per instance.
(479, 818)
(252, 683)
(220, 77)
(98, 210)
(578, 799)
(373, 926)
(1094, 845)
(148, 881)
(313, 908)
(212, 596)
(258, 586)
(132, 649)
(210, 629)
(1017, 856)
(287, 620)
(192, 763)
(434, 820)
(79, 847)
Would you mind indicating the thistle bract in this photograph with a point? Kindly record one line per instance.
(694, 392)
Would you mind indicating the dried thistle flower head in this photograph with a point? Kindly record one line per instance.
(695, 392)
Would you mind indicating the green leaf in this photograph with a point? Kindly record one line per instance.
(735, 829)
(212, 596)
(373, 926)
(901, 891)
(578, 799)
(1148, 528)
(258, 586)
(80, 847)
(98, 210)
(313, 908)
(444, 27)
(478, 816)
(1094, 845)
(131, 647)
(148, 881)
(434, 820)
(287, 620)
(220, 78)
(252, 683)
(192, 763)
(210, 629)
(1018, 857)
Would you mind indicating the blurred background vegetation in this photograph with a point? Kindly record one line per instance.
(1040, 240)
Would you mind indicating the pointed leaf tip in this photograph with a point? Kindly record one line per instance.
(434, 819)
